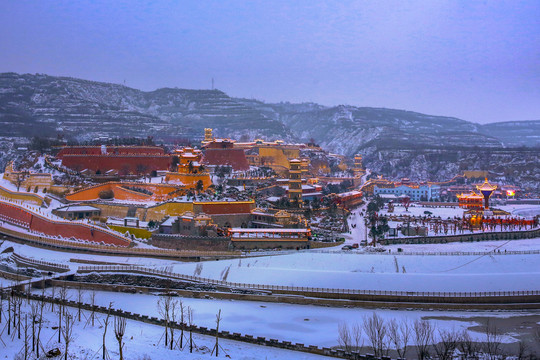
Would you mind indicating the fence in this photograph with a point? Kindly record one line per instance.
(19, 259)
(312, 291)
(437, 253)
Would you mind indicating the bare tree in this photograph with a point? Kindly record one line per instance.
(93, 301)
(62, 295)
(357, 336)
(522, 349)
(119, 331)
(447, 344)
(67, 333)
(344, 336)
(466, 345)
(399, 334)
(80, 294)
(218, 320)
(18, 304)
(40, 324)
(173, 317)
(190, 321)
(106, 324)
(423, 336)
(34, 313)
(26, 336)
(9, 309)
(492, 345)
(182, 324)
(53, 290)
(376, 332)
(350, 338)
(164, 308)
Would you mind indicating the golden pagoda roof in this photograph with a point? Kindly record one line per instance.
(282, 213)
(486, 186)
(472, 195)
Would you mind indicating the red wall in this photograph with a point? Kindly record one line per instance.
(67, 230)
(124, 164)
(224, 208)
(111, 150)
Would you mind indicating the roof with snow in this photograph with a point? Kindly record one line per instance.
(77, 208)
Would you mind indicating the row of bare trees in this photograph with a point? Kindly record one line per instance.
(173, 312)
(428, 341)
(26, 322)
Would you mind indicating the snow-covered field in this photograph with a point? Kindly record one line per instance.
(307, 324)
(141, 341)
(329, 268)
(379, 272)
(352, 270)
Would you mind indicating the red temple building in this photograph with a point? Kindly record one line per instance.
(222, 152)
(126, 160)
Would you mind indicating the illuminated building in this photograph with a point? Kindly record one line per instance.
(486, 189)
(470, 201)
(295, 183)
(358, 168)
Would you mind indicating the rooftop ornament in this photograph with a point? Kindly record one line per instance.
(486, 189)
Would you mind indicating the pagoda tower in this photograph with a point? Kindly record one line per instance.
(295, 183)
(208, 136)
(358, 168)
(486, 189)
(305, 167)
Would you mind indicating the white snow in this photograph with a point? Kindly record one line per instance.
(141, 341)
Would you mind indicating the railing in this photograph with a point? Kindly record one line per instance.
(439, 253)
(301, 290)
(39, 263)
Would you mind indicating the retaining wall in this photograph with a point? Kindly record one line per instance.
(179, 242)
(20, 196)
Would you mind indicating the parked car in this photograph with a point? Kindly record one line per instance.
(347, 247)
(355, 246)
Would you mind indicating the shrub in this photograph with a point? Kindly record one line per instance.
(106, 194)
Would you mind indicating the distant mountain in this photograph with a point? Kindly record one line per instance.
(348, 129)
(84, 110)
(81, 109)
(515, 133)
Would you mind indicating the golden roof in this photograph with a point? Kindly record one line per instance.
(486, 186)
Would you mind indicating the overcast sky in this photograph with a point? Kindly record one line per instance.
(476, 60)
